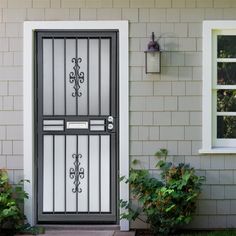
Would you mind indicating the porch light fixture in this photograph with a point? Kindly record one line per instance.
(153, 57)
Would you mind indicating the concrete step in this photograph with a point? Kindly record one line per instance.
(88, 233)
(81, 227)
(84, 230)
(79, 233)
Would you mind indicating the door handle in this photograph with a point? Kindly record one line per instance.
(110, 119)
(110, 124)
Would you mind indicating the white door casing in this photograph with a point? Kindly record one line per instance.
(29, 152)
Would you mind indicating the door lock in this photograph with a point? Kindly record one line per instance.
(110, 125)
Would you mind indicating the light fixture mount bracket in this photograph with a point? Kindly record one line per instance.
(153, 45)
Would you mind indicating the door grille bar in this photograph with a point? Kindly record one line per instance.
(88, 174)
(53, 171)
(77, 176)
(99, 77)
(65, 76)
(53, 82)
(76, 89)
(99, 171)
(88, 93)
(65, 173)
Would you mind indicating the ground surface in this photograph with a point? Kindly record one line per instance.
(131, 233)
(193, 233)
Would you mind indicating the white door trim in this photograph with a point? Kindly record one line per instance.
(29, 164)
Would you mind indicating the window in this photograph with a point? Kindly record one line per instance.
(219, 87)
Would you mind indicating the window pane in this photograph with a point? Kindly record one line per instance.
(226, 46)
(226, 126)
(226, 73)
(226, 100)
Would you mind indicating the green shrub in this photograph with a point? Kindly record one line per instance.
(168, 202)
(11, 202)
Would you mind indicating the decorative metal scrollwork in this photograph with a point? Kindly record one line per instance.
(76, 77)
(76, 173)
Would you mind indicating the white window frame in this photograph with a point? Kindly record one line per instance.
(210, 144)
(29, 29)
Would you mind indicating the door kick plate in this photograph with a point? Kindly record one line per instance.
(77, 125)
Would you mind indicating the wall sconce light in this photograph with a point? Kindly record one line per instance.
(153, 57)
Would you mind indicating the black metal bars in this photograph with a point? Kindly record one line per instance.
(73, 170)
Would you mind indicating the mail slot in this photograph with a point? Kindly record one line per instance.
(77, 125)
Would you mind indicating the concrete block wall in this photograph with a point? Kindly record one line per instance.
(165, 109)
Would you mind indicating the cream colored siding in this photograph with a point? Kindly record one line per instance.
(165, 109)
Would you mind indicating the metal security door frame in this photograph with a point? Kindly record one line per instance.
(29, 96)
(54, 216)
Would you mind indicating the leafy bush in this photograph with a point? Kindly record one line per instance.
(11, 201)
(167, 203)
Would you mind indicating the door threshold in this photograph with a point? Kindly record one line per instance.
(79, 227)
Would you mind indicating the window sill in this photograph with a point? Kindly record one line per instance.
(221, 150)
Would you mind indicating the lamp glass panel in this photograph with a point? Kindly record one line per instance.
(153, 62)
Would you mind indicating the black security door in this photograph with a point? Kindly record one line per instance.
(77, 126)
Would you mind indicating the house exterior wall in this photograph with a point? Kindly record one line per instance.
(165, 109)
